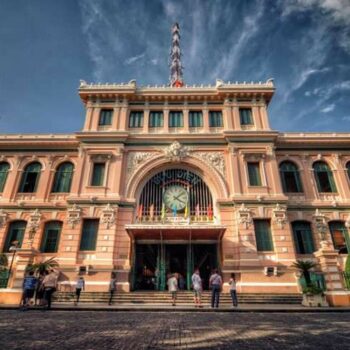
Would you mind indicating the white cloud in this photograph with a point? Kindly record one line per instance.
(346, 118)
(328, 108)
(133, 59)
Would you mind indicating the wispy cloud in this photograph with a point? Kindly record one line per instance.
(328, 108)
(133, 59)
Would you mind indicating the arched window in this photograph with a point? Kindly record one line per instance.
(303, 240)
(51, 237)
(4, 169)
(30, 178)
(290, 177)
(63, 178)
(340, 236)
(324, 177)
(348, 169)
(15, 233)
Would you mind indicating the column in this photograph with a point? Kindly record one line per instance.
(146, 119)
(264, 117)
(116, 117)
(124, 115)
(236, 118)
(88, 115)
(166, 119)
(186, 119)
(227, 115)
(205, 118)
(328, 260)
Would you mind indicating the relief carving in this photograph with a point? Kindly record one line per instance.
(176, 152)
(74, 215)
(213, 159)
(108, 216)
(135, 159)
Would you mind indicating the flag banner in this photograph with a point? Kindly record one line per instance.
(151, 212)
(163, 212)
(210, 212)
(174, 211)
(139, 214)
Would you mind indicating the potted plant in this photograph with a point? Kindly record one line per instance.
(41, 267)
(312, 294)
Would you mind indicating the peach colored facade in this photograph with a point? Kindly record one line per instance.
(218, 154)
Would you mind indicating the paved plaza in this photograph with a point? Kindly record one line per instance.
(88, 330)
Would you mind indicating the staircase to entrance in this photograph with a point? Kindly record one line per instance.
(184, 298)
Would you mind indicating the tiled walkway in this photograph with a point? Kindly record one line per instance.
(91, 330)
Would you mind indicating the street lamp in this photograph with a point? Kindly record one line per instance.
(13, 249)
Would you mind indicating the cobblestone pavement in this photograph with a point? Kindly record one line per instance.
(90, 330)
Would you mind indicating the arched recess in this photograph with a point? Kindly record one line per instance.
(152, 166)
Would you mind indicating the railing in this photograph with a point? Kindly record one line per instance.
(346, 276)
(178, 219)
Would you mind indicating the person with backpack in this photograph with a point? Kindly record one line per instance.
(215, 282)
(29, 284)
(233, 289)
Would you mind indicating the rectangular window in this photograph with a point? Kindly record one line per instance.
(195, 119)
(98, 173)
(156, 119)
(254, 174)
(176, 120)
(136, 119)
(89, 234)
(263, 235)
(105, 117)
(245, 115)
(215, 119)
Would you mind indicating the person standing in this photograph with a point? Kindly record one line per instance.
(80, 285)
(50, 286)
(112, 288)
(197, 287)
(173, 287)
(233, 289)
(29, 284)
(215, 282)
(39, 290)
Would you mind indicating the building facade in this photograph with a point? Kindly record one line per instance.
(162, 179)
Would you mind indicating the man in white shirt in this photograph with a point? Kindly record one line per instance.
(173, 287)
(80, 285)
(197, 287)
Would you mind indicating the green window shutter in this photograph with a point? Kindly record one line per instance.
(136, 119)
(254, 174)
(51, 237)
(156, 119)
(30, 178)
(98, 173)
(245, 115)
(263, 235)
(176, 120)
(89, 234)
(290, 177)
(215, 119)
(332, 182)
(340, 236)
(324, 177)
(195, 119)
(63, 178)
(15, 233)
(303, 238)
(4, 168)
(105, 117)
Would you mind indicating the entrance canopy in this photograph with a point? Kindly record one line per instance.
(172, 232)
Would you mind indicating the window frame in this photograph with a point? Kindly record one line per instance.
(322, 187)
(260, 182)
(102, 181)
(194, 117)
(4, 175)
(152, 118)
(59, 176)
(105, 117)
(244, 119)
(214, 116)
(25, 175)
(8, 240)
(86, 245)
(345, 235)
(296, 177)
(44, 239)
(308, 244)
(267, 241)
(180, 115)
(136, 119)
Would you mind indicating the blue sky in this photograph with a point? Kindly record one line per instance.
(46, 46)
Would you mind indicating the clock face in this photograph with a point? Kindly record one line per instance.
(175, 197)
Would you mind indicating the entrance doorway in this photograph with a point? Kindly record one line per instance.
(154, 262)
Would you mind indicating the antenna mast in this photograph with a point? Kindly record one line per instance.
(175, 58)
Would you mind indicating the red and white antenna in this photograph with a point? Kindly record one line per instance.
(175, 58)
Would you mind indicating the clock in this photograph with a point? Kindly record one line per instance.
(175, 197)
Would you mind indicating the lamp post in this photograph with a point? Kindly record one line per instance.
(13, 249)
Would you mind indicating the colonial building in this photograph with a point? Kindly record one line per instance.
(165, 178)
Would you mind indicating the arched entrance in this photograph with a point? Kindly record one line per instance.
(175, 230)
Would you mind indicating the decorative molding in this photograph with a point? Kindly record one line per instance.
(3, 217)
(108, 216)
(244, 216)
(279, 215)
(213, 159)
(33, 225)
(74, 215)
(321, 226)
(135, 159)
(176, 152)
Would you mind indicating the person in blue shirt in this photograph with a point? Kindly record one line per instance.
(29, 284)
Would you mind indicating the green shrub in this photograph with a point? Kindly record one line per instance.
(312, 290)
(347, 264)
